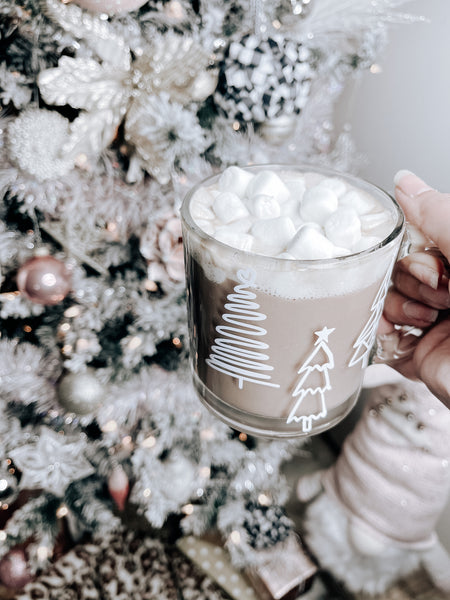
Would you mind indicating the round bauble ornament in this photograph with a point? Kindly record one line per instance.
(80, 393)
(14, 571)
(110, 7)
(44, 280)
(261, 79)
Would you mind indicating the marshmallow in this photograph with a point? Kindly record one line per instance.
(318, 204)
(229, 207)
(269, 184)
(208, 260)
(361, 202)
(205, 225)
(310, 244)
(241, 241)
(290, 208)
(373, 220)
(236, 180)
(334, 184)
(264, 207)
(366, 242)
(200, 205)
(241, 225)
(272, 235)
(296, 186)
(343, 227)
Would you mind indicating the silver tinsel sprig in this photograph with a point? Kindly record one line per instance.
(27, 375)
(35, 515)
(87, 511)
(10, 432)
(14, 88)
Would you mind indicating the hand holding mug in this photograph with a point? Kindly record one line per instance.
(420, 294)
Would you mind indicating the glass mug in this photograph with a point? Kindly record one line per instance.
(279, 346)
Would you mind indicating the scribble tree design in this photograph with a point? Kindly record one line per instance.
(239, 352)
(311, 369)
(366, 338)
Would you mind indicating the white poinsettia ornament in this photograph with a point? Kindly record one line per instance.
(117, 88)
(52, 462)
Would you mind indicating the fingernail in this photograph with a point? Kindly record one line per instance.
(425, 274)
(415, 310)
(439, 298)
(410, 184)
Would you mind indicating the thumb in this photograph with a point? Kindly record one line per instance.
(425, 208)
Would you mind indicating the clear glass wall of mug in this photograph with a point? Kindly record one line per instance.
(279, 346)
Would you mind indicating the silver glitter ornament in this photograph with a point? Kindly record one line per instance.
(36, 140)
(80, 393)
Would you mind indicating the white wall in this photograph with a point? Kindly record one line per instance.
(401, 116)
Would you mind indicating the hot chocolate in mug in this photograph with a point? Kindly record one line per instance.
(287, 269)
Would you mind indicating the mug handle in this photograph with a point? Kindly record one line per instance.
(399, 345)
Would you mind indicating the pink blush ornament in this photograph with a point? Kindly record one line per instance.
(14, 572)
(118, 486)
(44, 280)
(109, 7)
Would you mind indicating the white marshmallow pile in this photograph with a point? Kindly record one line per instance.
(290, 215)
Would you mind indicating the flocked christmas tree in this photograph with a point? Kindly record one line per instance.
(112, 109)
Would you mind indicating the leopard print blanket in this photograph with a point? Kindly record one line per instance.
(127, 566)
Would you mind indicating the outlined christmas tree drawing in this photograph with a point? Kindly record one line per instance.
(239, 352)
(366, 338)
(314, 373)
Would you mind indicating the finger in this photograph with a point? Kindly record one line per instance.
(384, 326)
(408, 286)
(432, 360)
(426, 267)
(401, 310)
(425, 208)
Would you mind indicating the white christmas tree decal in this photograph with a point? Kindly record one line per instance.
(313, 370)
(236, 353)
(366, 338)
